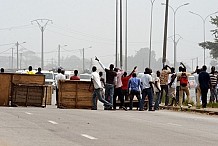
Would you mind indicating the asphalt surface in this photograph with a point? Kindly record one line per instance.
(31, 126)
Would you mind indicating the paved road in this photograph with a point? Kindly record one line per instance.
(30, 126)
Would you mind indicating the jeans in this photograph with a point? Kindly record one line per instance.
(125, 95)
(99, 93)
(118, 92)
(132, 94)
(164, 88)
(145, 92)
(109, 92)
(213, 94)
(181, 92)
(157, 101)
(204, 97)
(57, 103)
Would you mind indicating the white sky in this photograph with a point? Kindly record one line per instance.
(84, 23)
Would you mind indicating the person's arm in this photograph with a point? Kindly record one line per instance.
(155, 83)
(91, 83)
(100, 63)
(173, 77)
(132, 71)
(183, 65)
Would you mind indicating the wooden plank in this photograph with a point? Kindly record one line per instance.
(28, 79)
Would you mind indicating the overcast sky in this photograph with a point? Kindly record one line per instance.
(83, 23)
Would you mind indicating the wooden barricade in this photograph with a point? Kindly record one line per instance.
(74, 94)
(19, 88)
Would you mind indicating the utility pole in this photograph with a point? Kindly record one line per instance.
(116, 60)
(165, 33)
(42, 28)
(126, 36)
(83, 60)
(59, 56)
(17, 56)
(121, 36)
(12, 58)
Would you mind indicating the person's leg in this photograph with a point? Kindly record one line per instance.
(57, 96)
(137, 94)
(121, 97)
(186, 90)
(94, 100)
(144, 94)
(204, 97)
(107, 91)
(177, 94)
(161, 94)
(180, 96)
(101, 98)
(131, 98)
(198, 94)
(115, 98)
(150, 98)
(156, 106)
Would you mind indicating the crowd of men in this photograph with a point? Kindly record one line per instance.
(172, 86)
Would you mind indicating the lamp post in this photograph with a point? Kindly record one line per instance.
(59, 54)
(204, 20)
(84, 58)
(150, 49)
(174, 29)
(42, 28)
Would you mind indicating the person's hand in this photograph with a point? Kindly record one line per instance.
(90, 90)
(135, 67)
(96, 58)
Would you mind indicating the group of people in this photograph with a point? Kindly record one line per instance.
(172, 86)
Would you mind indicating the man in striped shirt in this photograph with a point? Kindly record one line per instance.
(213, 79)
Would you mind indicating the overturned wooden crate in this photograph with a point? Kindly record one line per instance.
(28, 90)
(5, 88)
(74, 94)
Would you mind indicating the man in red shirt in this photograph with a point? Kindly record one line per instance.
(75, 76)
(125, 80)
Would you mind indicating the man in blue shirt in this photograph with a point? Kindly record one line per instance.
(134, 87)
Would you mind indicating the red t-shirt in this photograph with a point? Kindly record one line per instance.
(125, 81)
(74, 78)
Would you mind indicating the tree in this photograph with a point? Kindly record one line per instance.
(212, 46)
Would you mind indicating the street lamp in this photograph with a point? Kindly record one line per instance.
(174, 29)
(59, 54)
(152, 6)
(204, 20)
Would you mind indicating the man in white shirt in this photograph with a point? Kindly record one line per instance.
(147, 89)
(98, 89)
(58, 77)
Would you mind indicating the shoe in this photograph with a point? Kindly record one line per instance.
(151, 110)
(124, 108)
(93, 108)
(189, 105)
(141, 109)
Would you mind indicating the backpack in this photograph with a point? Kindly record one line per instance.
(183, 80)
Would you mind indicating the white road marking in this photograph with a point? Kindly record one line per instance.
(53, 122)
(174, 124)
(28, 113)
(88, 136)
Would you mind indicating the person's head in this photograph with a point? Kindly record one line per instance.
(147, 70)
(165, 67)
(94, 68)
(158, 73)
(111, 67)
(150, 70)
(39, 69)
(75, 72)
(134, 75)
(63, 71)
(30, 68)
(100, 73)
(180, 69)
(204, 68)
(213, 69)
(59, 70)
(2, 70)
(172, 70)
(116, 69)
(198, 71)
(125, 74)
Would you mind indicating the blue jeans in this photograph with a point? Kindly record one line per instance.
(213, 94)
(145, 92)
(157, 100)
(99, 93)
(109, 92)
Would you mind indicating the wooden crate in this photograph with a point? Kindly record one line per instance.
(28, 79)
(74, 94)
(49, 95)
(5, 88)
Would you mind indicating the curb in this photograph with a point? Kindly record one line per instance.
(186, 109)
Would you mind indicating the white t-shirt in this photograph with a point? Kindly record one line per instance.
(58, 77)
(174, 84)
(146, 79)
(157, 79)
(96, 80)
